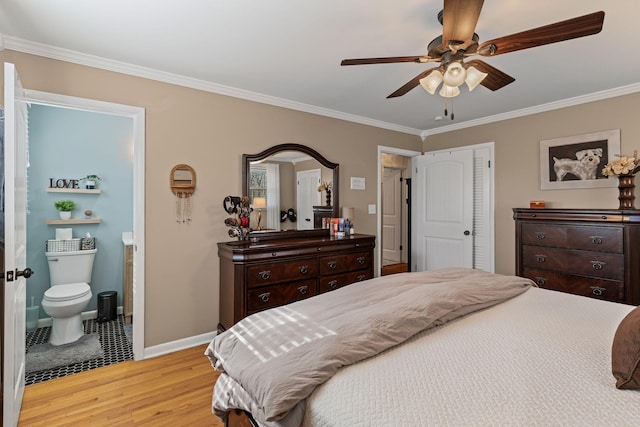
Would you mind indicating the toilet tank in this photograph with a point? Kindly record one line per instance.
(70, 267)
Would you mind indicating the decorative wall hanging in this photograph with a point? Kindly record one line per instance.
(577, 161)
(240, 209)
(183, 185)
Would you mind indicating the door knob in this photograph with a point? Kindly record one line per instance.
(467, 232)
(27, 272)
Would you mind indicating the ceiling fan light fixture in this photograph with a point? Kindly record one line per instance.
(431, 81)
(449, 91)
(455, 74)
(474, 77)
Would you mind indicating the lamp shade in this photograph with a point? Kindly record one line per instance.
(348, 213)
(431, 82)
(449, 91)
(455, 74)
(474, 77)
(259, 202)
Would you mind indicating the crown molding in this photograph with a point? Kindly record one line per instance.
(569, 102)
(67, 55)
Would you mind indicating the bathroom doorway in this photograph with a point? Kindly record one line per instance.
(130, 121)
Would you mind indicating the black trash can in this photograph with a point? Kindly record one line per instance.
(107, 306)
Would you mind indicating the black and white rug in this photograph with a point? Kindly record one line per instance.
(113, 342)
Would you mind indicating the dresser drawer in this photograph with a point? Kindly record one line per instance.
(272, 296)
(276, 272)
(345, 262)
(609, 290)
(590, 238)
(330, 283)
(586, 263)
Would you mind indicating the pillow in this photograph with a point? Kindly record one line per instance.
(625, 352)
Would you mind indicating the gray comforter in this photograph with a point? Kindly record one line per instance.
(273, 360)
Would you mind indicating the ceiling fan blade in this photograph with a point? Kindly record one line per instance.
(564, 30)
(389, 60)
(496, 78)
(459, 21)
(411, 84)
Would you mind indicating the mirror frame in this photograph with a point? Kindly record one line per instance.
(247, 159)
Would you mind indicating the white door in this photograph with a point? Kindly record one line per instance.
(443, 210)
(391, 216)
(307, 196)
(15, 219)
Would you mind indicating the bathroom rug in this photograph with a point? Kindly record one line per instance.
(41, 357)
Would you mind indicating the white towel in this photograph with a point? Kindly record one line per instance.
(64, 233)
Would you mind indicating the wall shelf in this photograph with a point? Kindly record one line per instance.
(73, 190)
(73, 221)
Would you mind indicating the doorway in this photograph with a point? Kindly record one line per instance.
(393, 239)
(136, 116)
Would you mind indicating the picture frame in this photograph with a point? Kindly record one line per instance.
(577, 161)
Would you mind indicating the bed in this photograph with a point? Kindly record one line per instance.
(520, 356)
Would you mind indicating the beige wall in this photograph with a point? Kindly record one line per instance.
(517, 161)
(210, 132)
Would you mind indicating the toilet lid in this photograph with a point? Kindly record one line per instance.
(67, 292)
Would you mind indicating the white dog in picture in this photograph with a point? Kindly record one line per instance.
(585, 167)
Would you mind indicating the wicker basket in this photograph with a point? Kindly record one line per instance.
(63, 245)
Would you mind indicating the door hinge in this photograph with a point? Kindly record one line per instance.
(401, 179)
(489, 164)
(400, 247)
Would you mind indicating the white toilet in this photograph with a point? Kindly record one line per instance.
(68, 294)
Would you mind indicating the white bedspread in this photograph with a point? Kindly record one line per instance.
(542, 358)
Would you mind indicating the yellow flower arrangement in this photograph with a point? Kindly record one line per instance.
(324, 186)
(624, 166)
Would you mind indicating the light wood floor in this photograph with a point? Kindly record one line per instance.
(170, 390)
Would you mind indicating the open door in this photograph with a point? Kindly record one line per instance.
(15, 253)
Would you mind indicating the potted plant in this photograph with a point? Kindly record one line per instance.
(65, 207)
(90, 181)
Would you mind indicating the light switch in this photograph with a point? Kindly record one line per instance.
(372, 209)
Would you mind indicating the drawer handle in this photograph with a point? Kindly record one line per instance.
(597, 265)
(361, 260)
(361, 277)
(596, 240)
(303, 289)
(265, 296)
(333, 284)
(304, 269)
(597, 291)
(541, 258)
(265, 274)
(332, 264)
(540, 281)
(541, 235)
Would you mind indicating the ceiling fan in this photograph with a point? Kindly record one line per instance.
(459, 41)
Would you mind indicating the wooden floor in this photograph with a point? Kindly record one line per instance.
(170, 390)
(394, 268)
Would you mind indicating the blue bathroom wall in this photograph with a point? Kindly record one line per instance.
(70, 144)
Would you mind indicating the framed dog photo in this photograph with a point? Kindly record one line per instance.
(577, 161)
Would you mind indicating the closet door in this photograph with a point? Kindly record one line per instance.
(443, 210)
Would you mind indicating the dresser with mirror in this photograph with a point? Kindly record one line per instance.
(289, 256)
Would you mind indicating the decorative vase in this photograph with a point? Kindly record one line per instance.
(626, 187)
(328, 197)
(65, 214)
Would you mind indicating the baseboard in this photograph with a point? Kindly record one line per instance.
(182, 344)
(86, 315)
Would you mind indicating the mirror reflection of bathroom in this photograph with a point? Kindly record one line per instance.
(79, 300)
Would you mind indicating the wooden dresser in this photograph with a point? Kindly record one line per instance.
(255, 276)
(586, 252)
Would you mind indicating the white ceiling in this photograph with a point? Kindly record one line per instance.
(288, 52)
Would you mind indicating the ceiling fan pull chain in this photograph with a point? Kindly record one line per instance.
(446, 112)
(452, 113)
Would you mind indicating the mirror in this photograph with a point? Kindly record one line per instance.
(285, 180)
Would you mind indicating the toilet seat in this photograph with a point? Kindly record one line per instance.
(69, 291)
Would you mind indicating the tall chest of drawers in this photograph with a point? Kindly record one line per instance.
(255, 276)
(586, 252)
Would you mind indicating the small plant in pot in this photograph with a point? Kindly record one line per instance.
(65, 207)
(90, 181)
